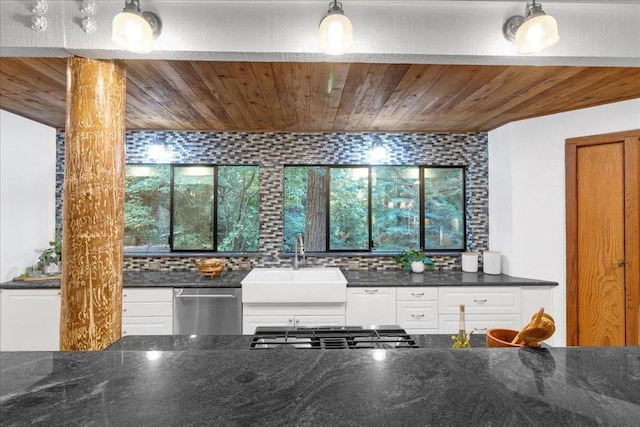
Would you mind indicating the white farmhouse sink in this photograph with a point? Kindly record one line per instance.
(286, 285)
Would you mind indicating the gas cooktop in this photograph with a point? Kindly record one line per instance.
(331, 337)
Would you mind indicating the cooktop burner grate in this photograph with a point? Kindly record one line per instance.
(332, 338)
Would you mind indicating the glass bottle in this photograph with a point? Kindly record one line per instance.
(462, 330)
(462, 339)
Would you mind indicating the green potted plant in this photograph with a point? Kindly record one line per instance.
(414, 259)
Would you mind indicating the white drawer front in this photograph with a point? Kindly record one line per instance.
(417, 294)
(137, 309)
(417, 314)
(147, 295)
(147, 326)
(479, 323)
(480, 300)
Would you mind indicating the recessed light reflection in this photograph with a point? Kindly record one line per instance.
(379, 354)
(153, 355)
(192, 336)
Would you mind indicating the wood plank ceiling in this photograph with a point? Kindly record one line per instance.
(305, 97)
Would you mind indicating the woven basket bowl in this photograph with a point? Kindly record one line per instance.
(211, 267)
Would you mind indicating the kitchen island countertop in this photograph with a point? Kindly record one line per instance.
(243, 342)
(430, 386)
(355, 278)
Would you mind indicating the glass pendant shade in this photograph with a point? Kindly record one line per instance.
(131, 31)
(335, 34)
(537, 33)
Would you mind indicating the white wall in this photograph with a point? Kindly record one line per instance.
(27, 192)
(527, 191)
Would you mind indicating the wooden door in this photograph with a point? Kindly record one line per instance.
(603, 246)
(601, 313)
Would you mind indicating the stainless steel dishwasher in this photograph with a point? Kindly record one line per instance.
(207, 311)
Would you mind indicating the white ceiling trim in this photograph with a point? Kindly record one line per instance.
(604, 33)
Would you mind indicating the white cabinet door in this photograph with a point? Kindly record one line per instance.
(147, 325)
(30, 320)
(371, 306)
(250, 323)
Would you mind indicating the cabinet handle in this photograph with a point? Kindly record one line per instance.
(124, 309)
(297, 320)
(371, 291)
(290, 320)
(124, 295)
(124, 332)
(417, 316)
(480, 301)
(421, 294)
(479, 329)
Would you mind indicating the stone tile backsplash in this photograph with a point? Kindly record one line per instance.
(272, 150)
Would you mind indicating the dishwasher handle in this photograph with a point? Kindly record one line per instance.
(179, 295)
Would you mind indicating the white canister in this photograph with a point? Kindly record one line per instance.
(470, 262)
(491, 261)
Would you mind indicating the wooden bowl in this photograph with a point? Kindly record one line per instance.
(497, 337)
(501, 337)
(211, 267)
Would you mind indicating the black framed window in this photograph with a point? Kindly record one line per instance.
(191, 208)
(375, 208)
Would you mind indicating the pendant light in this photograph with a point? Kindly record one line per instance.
(533, 32)
(335, 32)
(135, 30)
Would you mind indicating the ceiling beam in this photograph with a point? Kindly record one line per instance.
(592, 33)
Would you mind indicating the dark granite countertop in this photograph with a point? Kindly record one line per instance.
(442, 387)
(152, 279)
(397, 278)
(356, 278)
(242, 342)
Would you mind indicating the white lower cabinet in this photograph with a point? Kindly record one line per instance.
(291, 314)
(417, 310)
(147, 311)
(485, 307)
(435, 310)
(371, 306)
(30, 320)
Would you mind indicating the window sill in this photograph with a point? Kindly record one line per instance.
(365, 254)
(192, 254)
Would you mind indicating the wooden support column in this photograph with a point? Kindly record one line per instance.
(93, 210)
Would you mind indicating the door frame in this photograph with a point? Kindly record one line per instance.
(632, 230)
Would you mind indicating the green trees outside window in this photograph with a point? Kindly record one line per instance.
(375, 208)
(348, 208)
(238, 210)
(395, 207)
(146, 209)
(191, 208)
(193, 190)
(443, 208)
